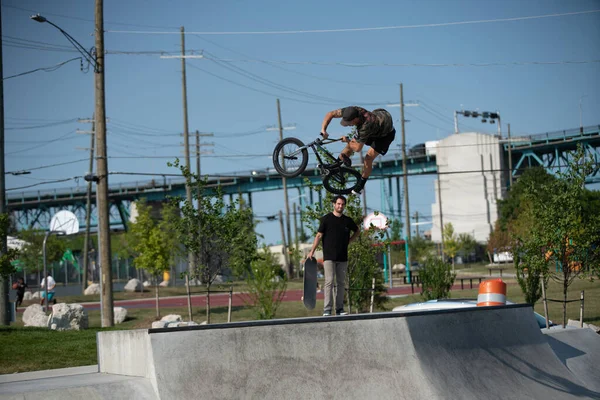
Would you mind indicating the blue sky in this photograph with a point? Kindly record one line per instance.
(535, 85)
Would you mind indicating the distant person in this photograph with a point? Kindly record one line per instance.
(374, 128)
(20, 286)
(335, 230)
(49, 291)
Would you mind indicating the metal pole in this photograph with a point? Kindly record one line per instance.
(102, 169)
(186, 142)
(455, 122)
(581, 310)
(4, 288)
(45, 271)
(404, 170)
(88, 210)
(230, 300)
(289, 267)
(372, 295)
(510, 167)
(441, 217)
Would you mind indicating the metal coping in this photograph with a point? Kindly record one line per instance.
(307, 320)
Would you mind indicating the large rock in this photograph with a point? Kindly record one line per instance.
(119, 314)
(27, 296)
(34, 315)
(164, 284)
(36, 295)
(146, 284)
(172, 318)
(134, 285)
(68, 317)
(94, 288)
(159, 324)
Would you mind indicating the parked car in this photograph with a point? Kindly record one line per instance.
(448, 304)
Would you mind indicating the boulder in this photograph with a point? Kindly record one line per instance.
(163, 283)
(134, 285)
(68, 317)
(159, 324)
(36, 295)
(182, 324)
(172, 318)
(94, 288)
(146, 283)
(34, 315)
(27, 296)
(398, 267)
(119, 314)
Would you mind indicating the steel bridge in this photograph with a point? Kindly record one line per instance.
(34, 209)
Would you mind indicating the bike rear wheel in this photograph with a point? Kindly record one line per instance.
(288, 159)
(341, 181)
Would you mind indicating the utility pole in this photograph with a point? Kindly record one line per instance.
(290, 267)
(441, 215)
(510, 171)
(286, 256)
(4, 289)
(404, 170)
(88, 211)
(186, 144)
(417, 222)
(364, 192)
(102, 170)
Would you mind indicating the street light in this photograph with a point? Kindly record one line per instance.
(86, 54)
(485, 116)
(97, 60)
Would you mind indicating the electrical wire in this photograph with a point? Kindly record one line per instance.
(379, 28)
(43, 144)
(45, 69)
(68, 121)
(48, 166)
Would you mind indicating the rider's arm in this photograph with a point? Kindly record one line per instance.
(328, 117)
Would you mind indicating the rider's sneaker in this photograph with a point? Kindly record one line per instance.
(359, 187)
(346, 160)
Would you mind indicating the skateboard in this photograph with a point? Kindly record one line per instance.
(310, 283)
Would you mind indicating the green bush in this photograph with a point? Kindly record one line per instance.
(437, 279)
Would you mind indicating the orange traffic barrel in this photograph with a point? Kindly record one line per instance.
(492, 292)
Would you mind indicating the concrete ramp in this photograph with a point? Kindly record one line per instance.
(579, 351)
(493, 352)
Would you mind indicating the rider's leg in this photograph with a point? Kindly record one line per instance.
(352, 147)
(367, 169)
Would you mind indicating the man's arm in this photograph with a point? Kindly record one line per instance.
(354, 236)
(328, 117)
(311, 253)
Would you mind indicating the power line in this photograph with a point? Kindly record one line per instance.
(46, 69)
(42, 144)
(378, 64)
(48, 166)
(379, 28)
(68, 121)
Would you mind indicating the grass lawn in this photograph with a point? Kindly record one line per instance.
(30, 349)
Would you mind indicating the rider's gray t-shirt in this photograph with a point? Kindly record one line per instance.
(377, 123)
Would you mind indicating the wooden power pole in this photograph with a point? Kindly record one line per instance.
(102, 171)
(290, 267)
(404, 170)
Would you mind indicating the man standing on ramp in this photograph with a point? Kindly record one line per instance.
(335, 231)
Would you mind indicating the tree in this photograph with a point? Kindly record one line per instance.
(396, 230)
(152, 246)
(31, 255)
(362, 254)
(420, 248)
(565, 239)
(466, 243)
(437, 279)
(451, 243)
(6, 268)
(219, 235)
(267, 284)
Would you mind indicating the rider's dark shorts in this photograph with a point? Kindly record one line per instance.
(382, 144)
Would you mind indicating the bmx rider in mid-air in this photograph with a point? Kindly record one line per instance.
(374, 128)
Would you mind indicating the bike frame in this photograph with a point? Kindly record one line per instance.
(319, 145)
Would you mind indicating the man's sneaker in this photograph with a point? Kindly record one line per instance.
(341, 312)
(327, 314)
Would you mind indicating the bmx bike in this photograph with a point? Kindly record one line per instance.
(290, 159)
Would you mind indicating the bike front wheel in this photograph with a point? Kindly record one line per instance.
(289, 158)
(342, 181)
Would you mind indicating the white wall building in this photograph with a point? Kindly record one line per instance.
(470, 181)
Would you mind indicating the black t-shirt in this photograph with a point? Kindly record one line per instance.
(336, 235)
